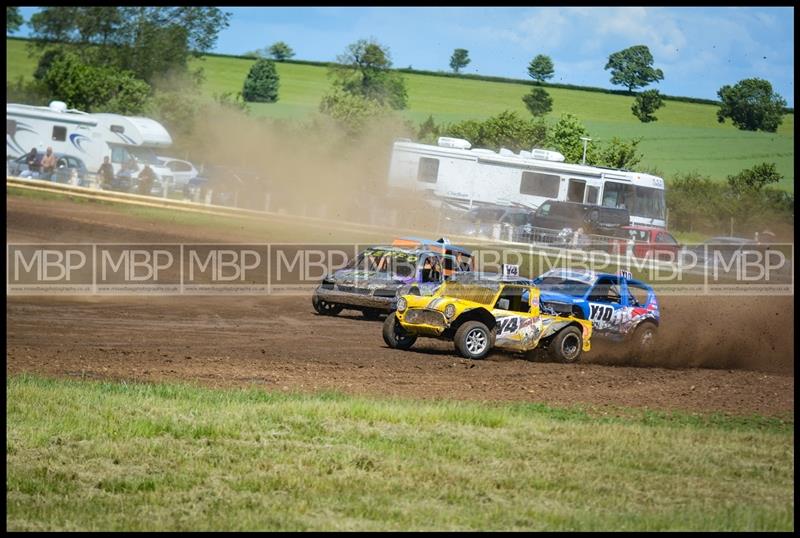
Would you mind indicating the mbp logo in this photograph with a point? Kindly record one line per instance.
(49, 267)
(225, 267)
(131, 268)
(222, 264)
(135, 265)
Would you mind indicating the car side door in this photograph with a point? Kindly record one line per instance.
(604, 301)
(519, 325)
(666, 245)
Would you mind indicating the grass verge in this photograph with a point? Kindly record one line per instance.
(128, 456)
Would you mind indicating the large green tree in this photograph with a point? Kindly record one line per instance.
(94, 89)
(280, 51)
(618, 153)
(751, 105)
(538, 102)
(351, 110)
(565, 137)
(261, 83)
(633, 68)
(753, 180)
(150, 41)
(541, 68)
(645, 104)
(428, 131)
(365, 70)
(13, 19)
(459, 60)
(505, 130)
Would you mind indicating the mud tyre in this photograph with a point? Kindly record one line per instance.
(474, 340)
(325, 308)
(566, 346)
(395, 336)
(643, 341)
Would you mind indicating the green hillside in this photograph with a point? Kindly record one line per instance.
(686, 136)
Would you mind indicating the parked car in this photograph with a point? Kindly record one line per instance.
(226, 183)
(594, 219)
(494, 222)
(182, 171)
(482, 315)
(722, 249)
(655, 243)
(69, 169)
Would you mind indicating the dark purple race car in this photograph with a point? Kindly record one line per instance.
(370, 282)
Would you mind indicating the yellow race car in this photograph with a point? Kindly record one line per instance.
(482, 313)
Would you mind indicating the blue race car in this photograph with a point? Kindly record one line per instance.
(619, 307)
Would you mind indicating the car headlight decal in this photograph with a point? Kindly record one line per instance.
(402, 304)
(450, 311)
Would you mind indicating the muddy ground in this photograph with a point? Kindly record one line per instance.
(717, 354)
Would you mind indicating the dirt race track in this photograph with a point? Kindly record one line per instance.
(718, 354)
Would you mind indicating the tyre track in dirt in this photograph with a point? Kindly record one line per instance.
(719, 354)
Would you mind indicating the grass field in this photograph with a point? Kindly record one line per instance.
(85, 455)
(686, 137)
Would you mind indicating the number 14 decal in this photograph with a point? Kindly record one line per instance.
(507, 325)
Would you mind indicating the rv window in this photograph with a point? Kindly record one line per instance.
(649, 202)
(59, 133)
(591, 195)
(117, 129)
(618, 195)
(537, 184)
(428, 170)
(11, 127)
(575, 190)
(119, 155)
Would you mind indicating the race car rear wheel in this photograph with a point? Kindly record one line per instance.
(325, 308)
(394, 335)
(643, 342)
(567, 345)
(473, 340)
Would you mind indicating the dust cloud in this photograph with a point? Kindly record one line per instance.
(309, 167)
(726, 332)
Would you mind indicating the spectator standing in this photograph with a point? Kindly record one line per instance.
(146, 178)
(48, 164)
(106, 173)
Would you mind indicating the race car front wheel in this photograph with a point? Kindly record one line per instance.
(567, 345)
(394, 335)
(473, 340)
(325, 308)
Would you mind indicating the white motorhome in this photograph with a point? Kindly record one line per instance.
(90, 137)
(452, 170)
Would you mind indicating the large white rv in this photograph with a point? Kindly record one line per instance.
(453, 171)
(90, 137)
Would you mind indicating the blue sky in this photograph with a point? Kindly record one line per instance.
(699, 49)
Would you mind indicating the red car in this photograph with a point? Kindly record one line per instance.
(657, 243)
